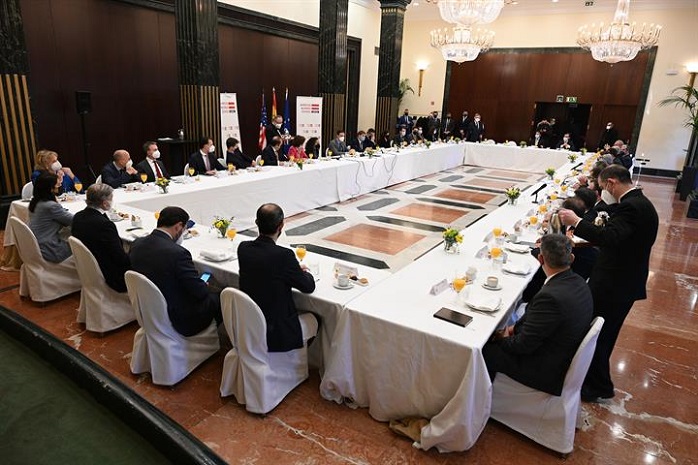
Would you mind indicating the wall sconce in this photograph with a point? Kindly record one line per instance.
(421, 66)
(692, 69)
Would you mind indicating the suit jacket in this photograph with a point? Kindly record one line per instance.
(407, 138)
(463, 125)
(170, 267)
(196, 161)
(448, 127)
(115, 177)
(625, 243)
(270, 131)
(359, 146)
(144, 167)
(337, 147)
(272, 158)
(406, 121)
(475, 131)
(547, 336)
(608, 136)
(48, 222)
(268, 272)
(238, 159)
(102, 239)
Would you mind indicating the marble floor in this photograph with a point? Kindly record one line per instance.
(652, 420)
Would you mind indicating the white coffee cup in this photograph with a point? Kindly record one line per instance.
(471, 273)
(342, 280)
(492, 281)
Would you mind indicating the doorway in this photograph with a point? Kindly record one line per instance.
(570, 117)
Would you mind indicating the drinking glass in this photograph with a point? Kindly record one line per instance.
(542, 208)
(497, 231)
(459, 282)
(495, 252)
(191, 171)
(78, 187)
(144, 178)
(553, 196)
(231, 167)
(231, 233)
(300, 252)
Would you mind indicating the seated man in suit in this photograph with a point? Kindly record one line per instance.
(100, 236)
(337, 145)
(360, 143)
(235, 156)
(538, 350)
(120, 171)
(402, 137)
(152, 165)
(370, 142)
(190, 305)
(272, 153)
(204, 160)
(566, 143)
(268, 272)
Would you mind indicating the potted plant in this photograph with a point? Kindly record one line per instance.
(512, 193)
(550, 172)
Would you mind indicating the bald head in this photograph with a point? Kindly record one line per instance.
(270, 219)
(121, 158)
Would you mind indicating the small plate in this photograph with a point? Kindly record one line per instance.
(227, 257)
(498, 288)
(483, 309)
(116, 219)
(337, 286)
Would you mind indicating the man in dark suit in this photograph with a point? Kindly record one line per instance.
(275, 129)
(608, 137)
(402, 137)
(360, 143)
(619, 277)
(100, 236)
(448, 127)
(433, 126)
(463, 125)
(235, 156)
(272, 153)
(152, 165)
(204, 160)
(476, 129)
(268, 272)
(158, 256)
(538, 350)
(120, 171)
(405, 120)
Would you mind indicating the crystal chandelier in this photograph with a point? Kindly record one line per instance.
(469, 12)
(620, 41)
(461, 43)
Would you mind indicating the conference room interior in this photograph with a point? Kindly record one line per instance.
(131, 71)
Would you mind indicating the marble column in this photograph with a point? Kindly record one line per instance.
(199, 70)
(392, 24)
(17, 137)
(332, 66)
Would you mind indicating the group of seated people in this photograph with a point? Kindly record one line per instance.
(268, 272)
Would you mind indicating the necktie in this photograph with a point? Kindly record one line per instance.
(158, 173)
(206, 163)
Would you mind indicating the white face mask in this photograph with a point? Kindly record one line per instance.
(362, 138)
(607, 197)
(341, 138)
(608, 127)
(129, 164)
(156, 154)
(277, 125)
(180, 239)
(55, 166)
(212, 148)
(565, 139)
(402, 133)
(477, 119)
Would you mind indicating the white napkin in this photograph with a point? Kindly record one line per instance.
(519, 248)
(136, 233)
(486, 303)
(517, 268)
(215, 255)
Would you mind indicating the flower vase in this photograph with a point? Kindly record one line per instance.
(512, 200)
(221, 232)
(451, 247)
(163, 189)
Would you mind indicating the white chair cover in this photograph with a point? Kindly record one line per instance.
(186, 169)
(99, 179)
(101, 308)
(221, 161)
(257, 378)
(39, 279)
(157, 347)
(548, 420)
(27, 191)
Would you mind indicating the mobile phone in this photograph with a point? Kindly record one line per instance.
(205, 276)
(454, 317)
(190, 224)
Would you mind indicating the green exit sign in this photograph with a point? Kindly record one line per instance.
(571, 99)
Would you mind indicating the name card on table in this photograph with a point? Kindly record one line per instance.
(340, 268)
(439, 287)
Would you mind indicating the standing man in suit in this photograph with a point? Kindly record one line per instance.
(448, 127)
(120, 171)
(152, 165)
(204, 160)
(619, 277)
(337, 145)
(608, 136)
(405, 120)
(268, 272)
(275, 129)
(476, 129)
(538, 350)
(463, 125)
(100, 236)
(434, 126)
(190, 305)
(272, 153)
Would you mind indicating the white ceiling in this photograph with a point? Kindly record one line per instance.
(421, 10)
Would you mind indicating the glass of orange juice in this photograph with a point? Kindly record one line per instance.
(300, 252)
(496, 252)
(78, 187)
(533, 221)
(231, 167)
(563, 188)
(459, 282)
(497, 231)
(542, 208)
(231, 233)
(191, 171)
(553, 196)
(144, 177)
(157, 215)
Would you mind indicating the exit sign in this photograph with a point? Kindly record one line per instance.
(571, 99)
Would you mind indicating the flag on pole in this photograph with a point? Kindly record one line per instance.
(262, 142)
(287, 124)
(273, 103)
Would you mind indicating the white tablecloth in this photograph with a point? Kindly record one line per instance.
(500, 156)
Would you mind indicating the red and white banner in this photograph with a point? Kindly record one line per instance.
(309, 117)
(230, 124)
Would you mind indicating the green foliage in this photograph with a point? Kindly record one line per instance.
(684, 97)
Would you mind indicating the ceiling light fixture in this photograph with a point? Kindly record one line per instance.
(461, 43)
(469, 12)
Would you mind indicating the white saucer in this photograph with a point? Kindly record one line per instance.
(344, 288)
(498, 288)
(227, 257)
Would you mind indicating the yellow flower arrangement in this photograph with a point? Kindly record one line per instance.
(163, 184)
(452, 237)
(222, 224)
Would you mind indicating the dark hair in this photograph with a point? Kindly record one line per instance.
(147, 145)
(203, 141)
(231, 142)
(588, 196)
(170, 216)
(596, 170)
(297, 141)
(618, 172)
(310, 146)
(575, 204)
(276, 140)
(371, 130)
(43, 189)
(556, 250)
(269, 217)
(339, 131)
(360, 133)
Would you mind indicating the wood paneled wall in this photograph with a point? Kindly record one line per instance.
(504, 85)
(125, 55)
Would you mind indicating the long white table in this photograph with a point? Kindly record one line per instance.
(502, 156)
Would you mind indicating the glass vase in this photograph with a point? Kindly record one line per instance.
(451, 247)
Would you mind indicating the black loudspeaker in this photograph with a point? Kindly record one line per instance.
(83, 102)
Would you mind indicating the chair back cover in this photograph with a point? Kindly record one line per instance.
(101, 308)
(38, 279)
(256, 377)
(99, 179)
(157, 346)
(27, 191)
